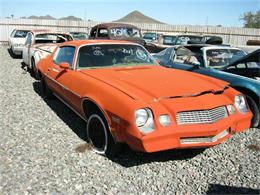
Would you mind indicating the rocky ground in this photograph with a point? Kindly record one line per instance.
(42, 151)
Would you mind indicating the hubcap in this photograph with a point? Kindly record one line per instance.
(97, 134)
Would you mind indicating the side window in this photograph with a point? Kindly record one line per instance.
(102, 32)
(28, 39)
(93, 33)
(186, 56)
(242, 65)
(252, 65)
(65, 54)
(180, 55)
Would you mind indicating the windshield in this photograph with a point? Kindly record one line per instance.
(20, 33)
(79, 35)
(183, 40)
(125, 32)
(150, 36)
(52, 38)
(219, 58)
(113, 55)
(169, 40)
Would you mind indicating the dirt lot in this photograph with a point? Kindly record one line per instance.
(42, 151)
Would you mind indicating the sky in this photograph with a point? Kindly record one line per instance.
(191, 12)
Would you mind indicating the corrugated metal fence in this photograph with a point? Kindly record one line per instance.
(230, 35)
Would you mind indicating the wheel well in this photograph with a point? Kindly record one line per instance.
(90, 107)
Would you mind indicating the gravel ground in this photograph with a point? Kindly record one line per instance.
(42, 151)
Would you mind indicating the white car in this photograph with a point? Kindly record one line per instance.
(17, 40)
(39, 44)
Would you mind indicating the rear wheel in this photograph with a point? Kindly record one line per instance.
(100, 137)
(254, 107)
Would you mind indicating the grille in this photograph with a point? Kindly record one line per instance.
(202, 116)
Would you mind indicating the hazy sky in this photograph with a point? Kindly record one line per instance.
(194, 12)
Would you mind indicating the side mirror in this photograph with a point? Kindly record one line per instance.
(64, 65)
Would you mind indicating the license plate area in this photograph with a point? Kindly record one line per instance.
(208, 139)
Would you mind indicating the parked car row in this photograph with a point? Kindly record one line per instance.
(156, 42)
(126, 97)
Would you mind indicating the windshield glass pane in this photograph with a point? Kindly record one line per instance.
(169, 40)
(125, 32)
(183, 40)
(113, 55)
(21, 33)
(151, 36)
(79, 36)
(219, 58)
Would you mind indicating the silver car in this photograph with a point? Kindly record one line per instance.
(17, 40)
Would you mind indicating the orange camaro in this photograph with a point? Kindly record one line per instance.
(126, 97)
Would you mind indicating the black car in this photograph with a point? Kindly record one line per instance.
(248, 66)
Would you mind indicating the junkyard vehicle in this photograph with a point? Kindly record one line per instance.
(79, 35)
(209, 60)
(126, 97)
(151, 37)
(117, 31)
(164, 41)
(187, 39)
(39, 44)
(17, 40)
(248, 66)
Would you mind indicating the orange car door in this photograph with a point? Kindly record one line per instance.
(65, 81)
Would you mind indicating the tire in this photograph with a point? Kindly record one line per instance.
(35, 72)
(100, 137)
(46, 91)
(254, 107)
(13, 55)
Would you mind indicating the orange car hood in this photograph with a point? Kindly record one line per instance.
(151, 83)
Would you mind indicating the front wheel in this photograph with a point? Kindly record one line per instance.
(100, 137)
(254, 107)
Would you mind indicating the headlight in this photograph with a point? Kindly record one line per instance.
(231, 109)
(165, 120)
(141, 117)
(240, 103)
(144, 120)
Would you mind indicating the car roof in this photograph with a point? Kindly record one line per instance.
(46, 31)
(208, 46)
(114, 24)
(78, 43)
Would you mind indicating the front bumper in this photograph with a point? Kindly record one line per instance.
(190, 136)
(17, 50)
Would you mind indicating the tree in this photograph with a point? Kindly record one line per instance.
(251, 20)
